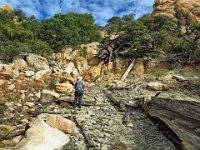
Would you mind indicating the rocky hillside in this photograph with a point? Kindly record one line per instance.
(184, 11)
(32, 85)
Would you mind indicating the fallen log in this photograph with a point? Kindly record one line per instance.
(118, 88)
(110, 47)
(112, 99)
(130, 85)
(146, 98)
(119, 47)
(89, 141)
(110, 56)
(103, 54)
(95, 78)
(181, 118)
(119, 103)
(13, 134)
(127, 87)
(71, 101)
(127, 71)
(36, 113)
(127, 119)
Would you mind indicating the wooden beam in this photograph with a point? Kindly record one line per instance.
(89, 141)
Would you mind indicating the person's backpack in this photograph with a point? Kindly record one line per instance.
(79, 87)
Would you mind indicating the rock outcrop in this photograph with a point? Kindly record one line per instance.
(81, 64)
(8, 71)
(90, 49)
(6, 7)
(183, 11)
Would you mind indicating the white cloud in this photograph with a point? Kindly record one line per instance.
(100, 9)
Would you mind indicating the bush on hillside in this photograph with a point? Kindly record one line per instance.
(20, 34)
(69, 29)
(155, 35)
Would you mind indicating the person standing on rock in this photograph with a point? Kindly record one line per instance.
(78, 95)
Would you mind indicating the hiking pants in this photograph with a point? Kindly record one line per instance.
(78, 98)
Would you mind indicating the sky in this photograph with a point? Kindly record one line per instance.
(102, 10)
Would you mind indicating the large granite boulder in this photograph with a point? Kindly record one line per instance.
(10, 86)
(65, 125)
(157, 86)
(42, 74)
(40, 136)
(37, 62)
(20, 63)
(65, 77)
(7, 8)
(48, 96)
(71, 69)
(65, 87)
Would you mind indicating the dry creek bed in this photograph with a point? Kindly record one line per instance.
(104, 125)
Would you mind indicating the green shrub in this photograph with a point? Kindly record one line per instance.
(10, 97)
(154, 36)
(69, 29)
(20, 34)
(83, 52)
(52, 85)
(159, 72)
